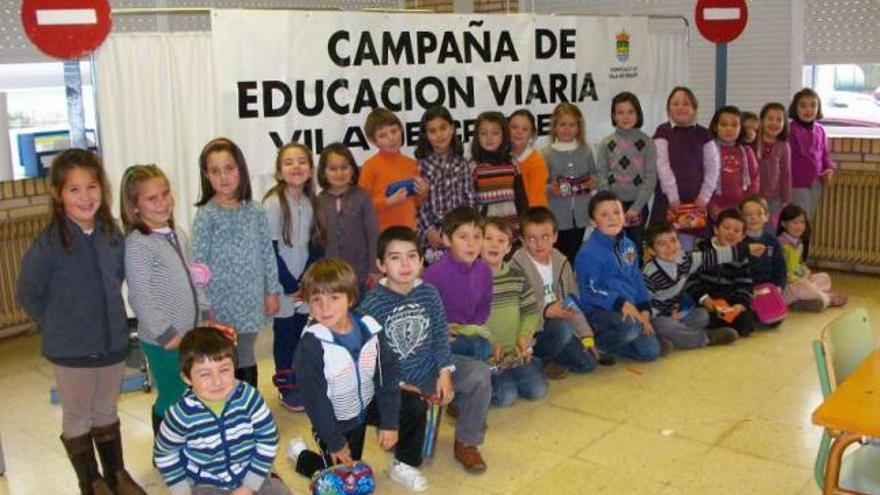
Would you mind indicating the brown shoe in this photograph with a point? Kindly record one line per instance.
(555, 371)
(721, 336)
(469, 457)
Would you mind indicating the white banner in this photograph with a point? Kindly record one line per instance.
(313, 77)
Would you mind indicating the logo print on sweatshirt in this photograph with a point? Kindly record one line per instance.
(406, 329)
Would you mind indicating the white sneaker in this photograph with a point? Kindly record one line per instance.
(295, 448)
(408, 476)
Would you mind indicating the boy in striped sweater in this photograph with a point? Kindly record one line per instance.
(512, 322)
(675, 316)
(220, 437)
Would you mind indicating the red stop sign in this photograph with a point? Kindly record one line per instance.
(721, 21)
(66, 29)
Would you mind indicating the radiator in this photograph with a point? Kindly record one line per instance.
(847, 226)
(15, 237)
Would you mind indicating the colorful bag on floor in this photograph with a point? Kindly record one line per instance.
(768, 303)
(344, 480)
(690, 219)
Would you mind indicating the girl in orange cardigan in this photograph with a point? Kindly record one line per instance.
(530, 163)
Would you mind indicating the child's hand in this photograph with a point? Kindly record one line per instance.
(387, 439)
(271, 304)
(701, 202)
(173, 343)
(556, 311)
(524, 344)
(827, 177)
(445, 388)
(421, 186)
(631, 214)
(343, 456)
(738, 307)
(714, 211)
(497, 353)
(709, 304)
(242, 490)
(398, 197)
(592, 182)
(757, 249)
(630, 312)
(435, 239)
(645, 320)
(676, 314)
(452, 329)
(674, 206)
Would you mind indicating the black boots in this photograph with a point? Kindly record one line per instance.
(109, 443)
(82, 456)
(248, 374)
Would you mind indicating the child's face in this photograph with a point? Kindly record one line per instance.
(440, 133)
(625, 115)
(496, 245)
(750, 129)
(212, 380)
(729, 232)
(755, 216)
(401, 264)
(81, 196)
(490, 135)
(667, 247)
(155, 203)
(808, 108)
(728, 127)
(773, 123)
(520, 132)
(465, 243)
(338, 172)
(388, 138)
(681, 111)
(608, 217)
(539, 239)
(296, 167)
(796, 226)
(331, 310)
(223, 174)
(566, 128)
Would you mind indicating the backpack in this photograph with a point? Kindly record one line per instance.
(768, 303)
(344, 480)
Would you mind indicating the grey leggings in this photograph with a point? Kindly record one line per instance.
(88, 397)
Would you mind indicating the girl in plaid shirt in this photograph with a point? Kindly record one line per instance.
(442, 164)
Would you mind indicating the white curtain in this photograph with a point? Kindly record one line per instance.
(155, 105)
(669, 44)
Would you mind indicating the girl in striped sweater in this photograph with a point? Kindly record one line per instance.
(161, 292)
(493, 168)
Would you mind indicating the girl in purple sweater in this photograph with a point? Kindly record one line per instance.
(687, 159)
(811, 164)
(774, 159)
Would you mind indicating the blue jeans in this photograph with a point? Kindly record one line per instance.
(472, 347)
(557, 343)
(526, 381)
(623, 337)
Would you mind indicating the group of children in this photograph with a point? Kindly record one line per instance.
(539, 263)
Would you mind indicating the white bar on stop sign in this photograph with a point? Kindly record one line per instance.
(58, 17)
(721, 14)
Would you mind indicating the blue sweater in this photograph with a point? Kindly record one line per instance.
(195, 447)
(236, 244)
(608, 274)
(769, 267)
(415, 326)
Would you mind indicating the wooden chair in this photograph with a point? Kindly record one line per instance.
(844, 343)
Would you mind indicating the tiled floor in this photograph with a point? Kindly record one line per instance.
(733, 420)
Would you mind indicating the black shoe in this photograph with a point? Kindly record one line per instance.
(606, 359)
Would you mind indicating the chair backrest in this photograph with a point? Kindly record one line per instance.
(847, 341)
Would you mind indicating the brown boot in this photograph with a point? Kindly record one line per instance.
(82, 456)
(469, 457)
(109, 443)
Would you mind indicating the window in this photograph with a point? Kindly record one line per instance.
(36, 105)
(850, 96)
